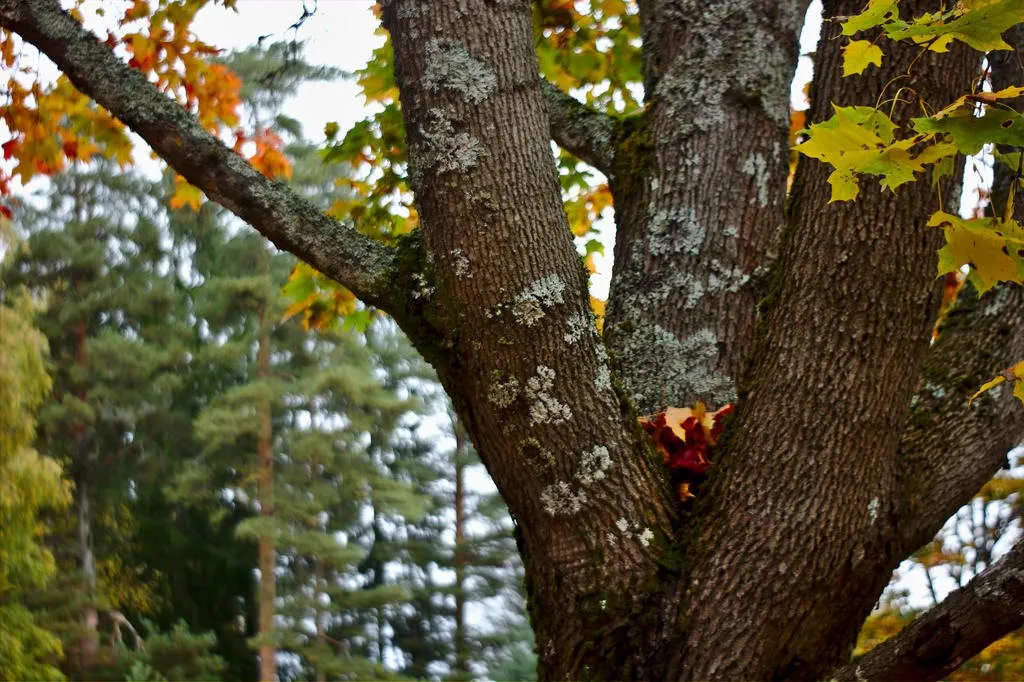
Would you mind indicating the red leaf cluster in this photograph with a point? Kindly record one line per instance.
(684, 437)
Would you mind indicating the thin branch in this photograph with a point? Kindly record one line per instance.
(280, 214)
(944, 637)
(580, 130)
(117, 619)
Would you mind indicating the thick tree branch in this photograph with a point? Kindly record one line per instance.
(580, 130)
(846, 330)
(280, 214)
(940, 640)
(948, 450)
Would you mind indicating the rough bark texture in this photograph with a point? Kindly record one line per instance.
(938, 642)
(527, 370)
(840, 460)
(849, 319)
(699, 187)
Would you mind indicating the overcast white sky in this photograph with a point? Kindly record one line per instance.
(340, 34)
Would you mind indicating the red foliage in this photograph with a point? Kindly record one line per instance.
(685, 438)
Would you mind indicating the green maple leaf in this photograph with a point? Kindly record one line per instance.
(875, 14)
(979, 23)
(858, 55)
(971, 133)
(994, 248)
(861, 140)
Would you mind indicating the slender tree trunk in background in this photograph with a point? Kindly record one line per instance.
(89, 641)
(378, 580)
(318, 614)
(82, 466)
(267, 544)
(461, 648)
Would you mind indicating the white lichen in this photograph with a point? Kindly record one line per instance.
(757, 168)
(461, 263)
(623, 524)
(873, 507)
(422, 289)
(678, 230)
(997, 302)
(564, 497)
(577, 326)
(450, 67)
(724, 278)
(503, 393)
(666, 370)
(593, 465)
(533, 448)
(603, 379)
(529, 306)
(645, 537)
(735, 58)
(560, 499)
(938, 392)
(443, 148)
(544, 407)
(409, 10)
(693, 289)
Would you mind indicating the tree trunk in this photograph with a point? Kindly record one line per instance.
(267, 543)
(459, 561)
(318, 615)
(89, 641)
(82, 466)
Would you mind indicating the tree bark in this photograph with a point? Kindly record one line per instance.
(526, 368)
(989, 607)
(800, 506)
(699, 185)
(815, 319)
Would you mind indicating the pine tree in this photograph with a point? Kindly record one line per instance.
(459, 558)
(117, 341)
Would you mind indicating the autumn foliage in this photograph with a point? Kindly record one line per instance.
(51, 125)
(685, 438)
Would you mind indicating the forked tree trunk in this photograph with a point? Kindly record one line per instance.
(792, 539)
